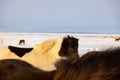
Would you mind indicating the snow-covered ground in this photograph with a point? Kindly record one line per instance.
(87, 42)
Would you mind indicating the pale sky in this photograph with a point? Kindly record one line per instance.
(84, 16)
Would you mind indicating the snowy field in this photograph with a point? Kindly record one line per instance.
(87, 42)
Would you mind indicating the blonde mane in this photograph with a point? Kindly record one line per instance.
(45, 55)
(46, 45)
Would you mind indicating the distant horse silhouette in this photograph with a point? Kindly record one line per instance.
(22, 42)
(117, 39)
(14, 69)
(95, 65)
(44, 55)
(1, 41)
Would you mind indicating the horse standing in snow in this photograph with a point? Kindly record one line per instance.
(22, 42)
(44, 55)
(1, 41)
(117, 39)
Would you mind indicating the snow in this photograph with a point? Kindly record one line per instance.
(87, 42)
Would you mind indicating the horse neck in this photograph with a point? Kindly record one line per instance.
(52, 56)
(54, 51)
(6, 53)
(57, 46)
(44, 56)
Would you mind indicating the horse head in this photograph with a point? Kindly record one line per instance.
(69, 48)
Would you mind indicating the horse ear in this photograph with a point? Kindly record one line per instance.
(68, 36)
(77, 40)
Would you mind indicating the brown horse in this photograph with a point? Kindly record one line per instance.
(22, 42)
(95, 65)
(117, 39)
(14, 69)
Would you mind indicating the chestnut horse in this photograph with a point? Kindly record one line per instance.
(117, 39)
(22, 42)
(15, 69)
(44, 55)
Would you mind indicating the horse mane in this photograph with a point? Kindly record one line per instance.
(46, 45)
(94, 65)
(113, 74)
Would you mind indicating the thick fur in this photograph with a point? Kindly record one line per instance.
(14, 69)
(44, 55)
(95, 65)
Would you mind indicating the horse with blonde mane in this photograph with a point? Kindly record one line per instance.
(44, 55)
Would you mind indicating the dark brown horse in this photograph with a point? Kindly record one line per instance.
(13, 69)
(95, 65)
(117, 39)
